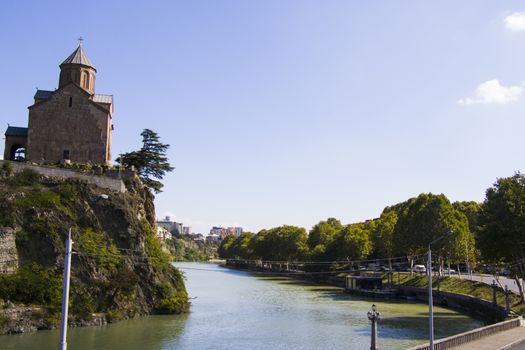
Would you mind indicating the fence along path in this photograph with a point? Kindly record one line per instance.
(493, 337)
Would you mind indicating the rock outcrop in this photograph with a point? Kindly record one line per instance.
(119, 269)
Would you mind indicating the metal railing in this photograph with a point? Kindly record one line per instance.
(475, 334)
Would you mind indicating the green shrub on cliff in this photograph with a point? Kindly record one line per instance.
(175, 301)
(81, 301)
(7, 169)
(33, 285)
(26, 177)
(96, 245)
(43, 198)
(45, 228)
(159, 258)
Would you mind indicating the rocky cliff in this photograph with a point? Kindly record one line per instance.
(119, 269)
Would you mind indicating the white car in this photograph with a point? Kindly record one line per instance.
(420, 268)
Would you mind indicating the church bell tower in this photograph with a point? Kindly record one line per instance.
(77, 68)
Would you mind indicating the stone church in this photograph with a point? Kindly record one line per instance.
(71, 123)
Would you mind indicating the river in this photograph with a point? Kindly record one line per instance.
(238, 310)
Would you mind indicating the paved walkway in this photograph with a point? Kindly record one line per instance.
(512, 339)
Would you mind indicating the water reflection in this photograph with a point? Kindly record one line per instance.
(151, 332)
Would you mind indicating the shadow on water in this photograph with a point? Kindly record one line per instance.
(416, 327)
(150, 332)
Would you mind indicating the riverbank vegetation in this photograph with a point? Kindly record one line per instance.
(486, 236)
(461, 286)
(185, 249)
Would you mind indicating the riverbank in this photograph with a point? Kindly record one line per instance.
(468, 297)
(16, 319)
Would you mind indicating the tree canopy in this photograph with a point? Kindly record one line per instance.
(502, 220)
(150, 161)
(495, 229)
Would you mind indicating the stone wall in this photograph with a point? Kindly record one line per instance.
(69, 125)
(8, 252)
(100, 181)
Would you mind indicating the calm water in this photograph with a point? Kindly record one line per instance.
(238, 310)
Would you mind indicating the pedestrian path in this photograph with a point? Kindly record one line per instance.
(511, 339)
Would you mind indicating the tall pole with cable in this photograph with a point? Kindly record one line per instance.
(65, 282)
(65, 292)
(430, 301)
(430, 297)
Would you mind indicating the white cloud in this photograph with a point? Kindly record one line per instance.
(492, 92)
(515, 22)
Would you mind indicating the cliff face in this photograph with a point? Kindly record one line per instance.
(119, 269)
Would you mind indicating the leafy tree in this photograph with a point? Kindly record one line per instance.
(427, 218)
(150, 161)
(284, 243)
(243, 246)
(320, 237)
(352, 243)
(471, 210)
(502, 221)
(225, 249)
(383, 234)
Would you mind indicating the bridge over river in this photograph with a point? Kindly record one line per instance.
(238, 310)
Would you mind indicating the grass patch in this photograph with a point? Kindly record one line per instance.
(460, 286)
(26, 177)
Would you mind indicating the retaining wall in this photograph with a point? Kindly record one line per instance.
(100, 181)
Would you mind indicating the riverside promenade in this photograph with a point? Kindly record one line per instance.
(506, 335)
(513, 339)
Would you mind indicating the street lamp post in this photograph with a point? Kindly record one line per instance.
(374, 316)
(430, 297)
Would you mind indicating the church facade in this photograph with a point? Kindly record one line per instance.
(71, 123)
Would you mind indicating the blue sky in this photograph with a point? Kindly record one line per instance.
(289, 112)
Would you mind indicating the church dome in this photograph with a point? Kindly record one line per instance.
(78, 57)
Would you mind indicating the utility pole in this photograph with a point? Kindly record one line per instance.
(430, 297)
(467, 261)
(430, 302)
(65, 293)
(494, 287)
(507, 300)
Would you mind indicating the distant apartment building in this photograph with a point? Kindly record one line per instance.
(213, 237)
(163, 234)
(223, 232)
(186, 230)
(170, 226)
(197, 237)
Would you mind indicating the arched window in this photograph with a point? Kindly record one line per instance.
(85, 80)
(18, 153)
